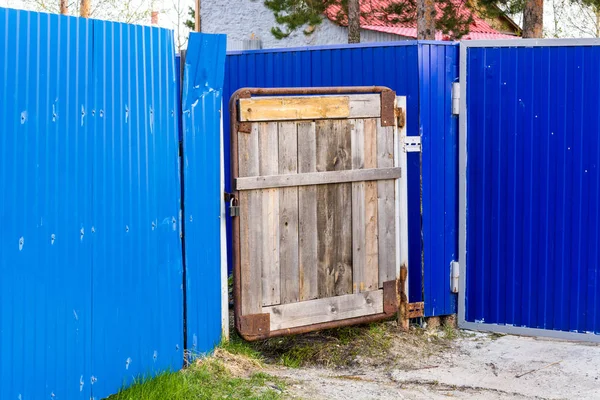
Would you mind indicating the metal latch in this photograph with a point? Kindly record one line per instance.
(455, 98)
(411, 144)
(234, 208)
(454, 275)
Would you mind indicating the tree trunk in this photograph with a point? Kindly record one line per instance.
(85, 8)
(353, 21)
(533, 19)
(64, 7)
(426, 19)
(198, 15)
(597, 11)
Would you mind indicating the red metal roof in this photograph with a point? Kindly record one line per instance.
(371, 19)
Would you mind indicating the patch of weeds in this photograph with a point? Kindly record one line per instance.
(495, 335)
(449, 332)
(338, 347)
(209, 378)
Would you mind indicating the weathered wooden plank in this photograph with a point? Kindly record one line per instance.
(268, 229)
(317, 178)
(294, 108)
(287, 108)
(386, 206)
(334, 211)
(324, 310)
(365, 106)
(307, 221)
(359, 260)
(288, 212)
(250, 217)
(371, 241)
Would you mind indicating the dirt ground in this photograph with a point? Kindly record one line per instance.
(468, 366)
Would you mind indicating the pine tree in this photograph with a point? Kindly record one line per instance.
(533, 13)
(292, 15)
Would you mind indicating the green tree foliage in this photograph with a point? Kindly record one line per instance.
(292, 15)
(191, 23)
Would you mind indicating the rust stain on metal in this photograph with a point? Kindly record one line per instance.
(388, 105)
(403, 320)
(400, 117)
(329, 325)
(254, 326)
(390, 297)
(415, 310)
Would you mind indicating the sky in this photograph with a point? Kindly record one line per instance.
(561, 17)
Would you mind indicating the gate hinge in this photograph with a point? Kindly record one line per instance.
(455, 98)
(454, 275)
(411, 144)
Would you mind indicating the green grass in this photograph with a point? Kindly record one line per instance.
(207, 380)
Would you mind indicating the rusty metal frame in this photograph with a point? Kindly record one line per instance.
(256, 326)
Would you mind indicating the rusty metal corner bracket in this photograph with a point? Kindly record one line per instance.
(254, 326)
(390, 297)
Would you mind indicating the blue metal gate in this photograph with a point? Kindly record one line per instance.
(530, 188)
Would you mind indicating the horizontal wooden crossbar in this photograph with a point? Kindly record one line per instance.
(317, 178)
(324, 310)
(289, 108)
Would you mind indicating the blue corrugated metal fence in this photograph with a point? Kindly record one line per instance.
(438, 69)
(91, 271)
(202, 97)
(533, 187)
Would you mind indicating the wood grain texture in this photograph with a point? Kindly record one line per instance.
(310, 107)
(371, 235)
(317, 178)
(307, 202)
(386, 207)
(334, 211)
(288, 215)
(325, 310)
(268, 230)
(359, 261)
(250, 216)
(294, 108)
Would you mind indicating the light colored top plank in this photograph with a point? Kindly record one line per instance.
(287, 108)
(317, 178)
(324, 310)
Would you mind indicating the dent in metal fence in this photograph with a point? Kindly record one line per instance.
(203, 202)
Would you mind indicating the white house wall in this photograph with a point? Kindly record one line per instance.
(241, 19)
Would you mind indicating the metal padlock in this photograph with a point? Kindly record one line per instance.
(234, 209)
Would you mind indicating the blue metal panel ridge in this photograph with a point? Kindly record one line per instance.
(90, 254)
(438, 69)
(45, 206)
(533, 188)
(137, 300)
(201, 104)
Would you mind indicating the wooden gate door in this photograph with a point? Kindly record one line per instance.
(319, 214)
